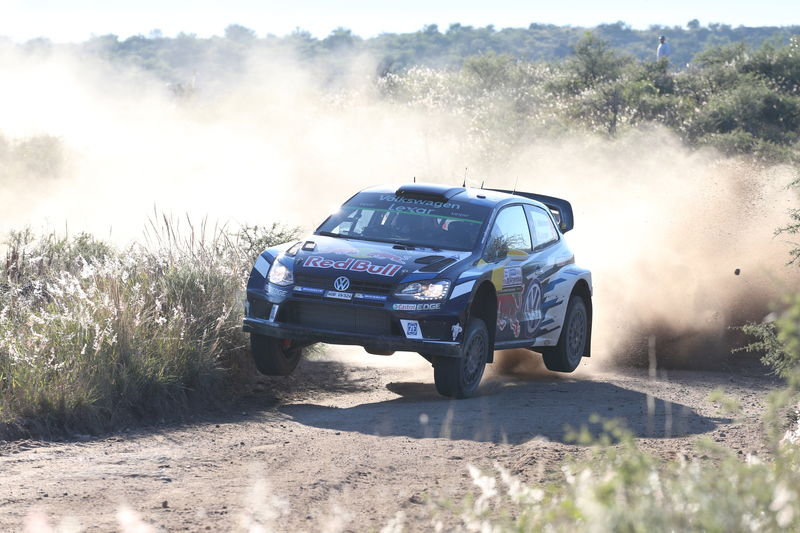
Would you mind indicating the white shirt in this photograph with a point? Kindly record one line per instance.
(663, 50)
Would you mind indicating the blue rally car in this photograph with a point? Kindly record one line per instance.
(452, 273)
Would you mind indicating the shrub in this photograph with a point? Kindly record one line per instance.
(91, 336)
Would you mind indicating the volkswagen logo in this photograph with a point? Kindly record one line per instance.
(341, 283)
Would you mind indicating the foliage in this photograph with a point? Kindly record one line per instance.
(91, 336)
(622, 488)
(737, 100)
(429, 46)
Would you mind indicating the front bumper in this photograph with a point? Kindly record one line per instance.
(379, 343)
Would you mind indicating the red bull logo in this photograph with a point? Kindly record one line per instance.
(353, 265)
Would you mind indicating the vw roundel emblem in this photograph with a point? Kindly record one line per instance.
(341, 283)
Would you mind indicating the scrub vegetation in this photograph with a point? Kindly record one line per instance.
(92, 336)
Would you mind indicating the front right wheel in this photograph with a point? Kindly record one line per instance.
(274, 357)
(566, 355)
(459, 377)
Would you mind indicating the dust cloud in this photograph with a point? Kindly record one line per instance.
(663, 228)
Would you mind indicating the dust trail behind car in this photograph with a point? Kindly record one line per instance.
(663, 228)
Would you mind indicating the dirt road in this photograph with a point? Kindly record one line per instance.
(365, 438)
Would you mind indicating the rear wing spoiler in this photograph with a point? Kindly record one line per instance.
(561, 209)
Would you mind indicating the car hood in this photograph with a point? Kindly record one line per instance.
(369, 260)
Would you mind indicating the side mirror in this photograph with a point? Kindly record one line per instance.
(496, 250)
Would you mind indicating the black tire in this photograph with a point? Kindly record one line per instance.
(272, 356)
(459, 377)
(567, 354)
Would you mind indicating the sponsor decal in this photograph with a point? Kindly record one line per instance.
(512, 276)
(309, 290)
(456, 330)
(371, 297)
(532, 307)
(388, 256)
(513, 310)
(416, 307)
(342, 251)
(414, 201)
(341, 283)
(339, 295)
(275, 292)
(411, 329)
(273, 313)
(353, 265)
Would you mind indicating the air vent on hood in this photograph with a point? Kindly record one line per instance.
(437, 266)
(428, 259)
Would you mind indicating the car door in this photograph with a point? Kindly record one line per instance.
(544, 264)
(510, 249)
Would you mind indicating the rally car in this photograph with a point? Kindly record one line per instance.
(452, 273)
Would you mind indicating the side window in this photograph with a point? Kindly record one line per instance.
(510, 232)
(542, 229)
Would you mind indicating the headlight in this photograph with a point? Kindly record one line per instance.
(280, 275)
(424, 290)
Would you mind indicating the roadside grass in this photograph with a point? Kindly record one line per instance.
(620, 487)
(92, 336)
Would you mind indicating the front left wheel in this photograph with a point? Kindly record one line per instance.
(274, 357)
(460, 377)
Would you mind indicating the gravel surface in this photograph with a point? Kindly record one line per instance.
(358, 438)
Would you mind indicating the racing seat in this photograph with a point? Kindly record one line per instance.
(460, 233)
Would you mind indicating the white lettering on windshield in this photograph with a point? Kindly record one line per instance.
(429, 203)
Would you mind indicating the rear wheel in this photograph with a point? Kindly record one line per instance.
(567, 354)
(459, 377)
(274, 357)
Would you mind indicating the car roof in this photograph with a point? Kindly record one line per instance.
(470, 195)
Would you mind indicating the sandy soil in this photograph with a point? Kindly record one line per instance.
(360, 439)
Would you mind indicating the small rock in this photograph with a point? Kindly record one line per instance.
(164, 504)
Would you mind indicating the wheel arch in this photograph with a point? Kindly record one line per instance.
(484, 306)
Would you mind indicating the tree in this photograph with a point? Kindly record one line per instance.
(594, 61)
(239, 34)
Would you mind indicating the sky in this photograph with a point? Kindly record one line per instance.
(77, 20)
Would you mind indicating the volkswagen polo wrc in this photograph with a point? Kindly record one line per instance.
(452, 273)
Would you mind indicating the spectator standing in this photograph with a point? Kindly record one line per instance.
(663, 48)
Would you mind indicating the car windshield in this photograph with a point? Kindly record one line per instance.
(408, 221)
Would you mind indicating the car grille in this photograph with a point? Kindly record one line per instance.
(344, 318)
(322, 282)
